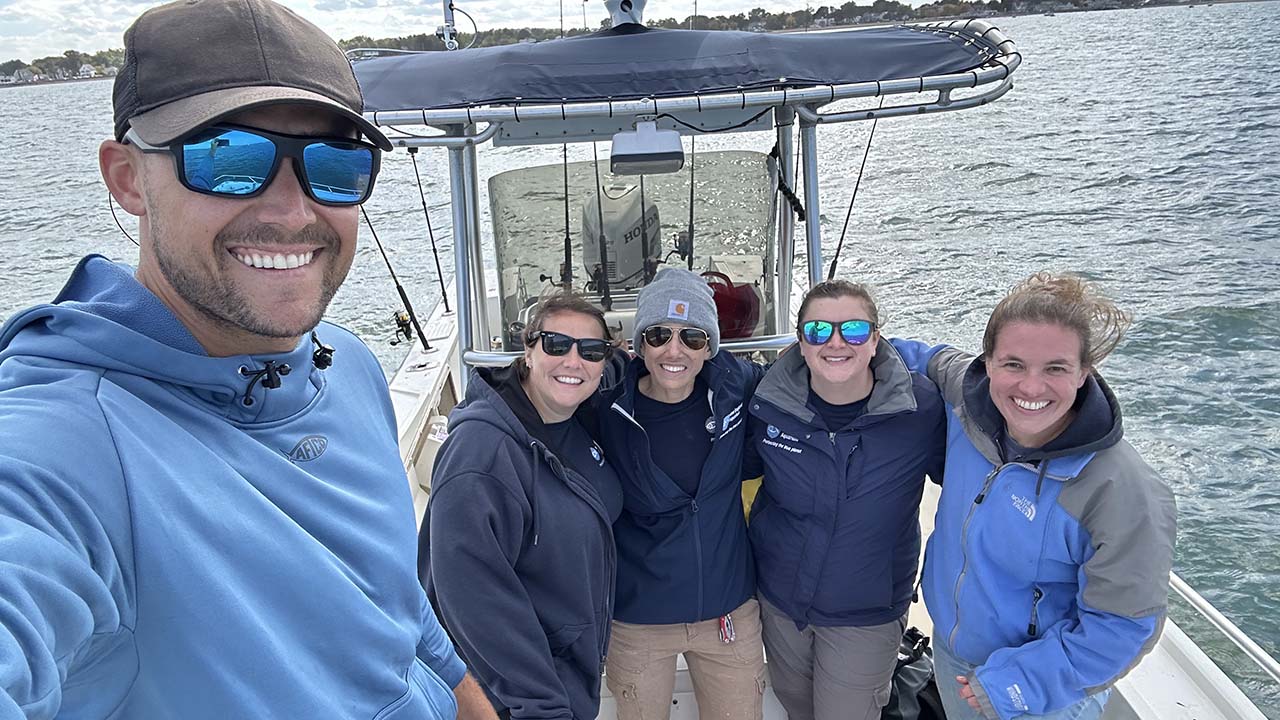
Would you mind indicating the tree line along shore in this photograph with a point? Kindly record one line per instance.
(76, 65)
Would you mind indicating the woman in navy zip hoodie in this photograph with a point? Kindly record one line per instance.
(686, 582)
(517, 548)
(846, 434)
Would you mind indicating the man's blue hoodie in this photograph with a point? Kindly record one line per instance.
(178, 539)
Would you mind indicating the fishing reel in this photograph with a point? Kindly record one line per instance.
(404, 327)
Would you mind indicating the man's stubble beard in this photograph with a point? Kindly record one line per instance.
(222, 301)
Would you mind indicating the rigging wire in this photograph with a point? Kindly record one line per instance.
(404, 298)
(831, 273)
(475, 29)
(112, 206)
(726, 128)
(444, 294)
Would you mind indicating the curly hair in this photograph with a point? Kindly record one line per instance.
(1065, 300)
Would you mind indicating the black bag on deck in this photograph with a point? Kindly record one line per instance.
(914, 694)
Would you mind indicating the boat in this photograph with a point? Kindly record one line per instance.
(602, 225)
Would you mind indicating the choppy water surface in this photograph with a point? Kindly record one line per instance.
(1141, 148)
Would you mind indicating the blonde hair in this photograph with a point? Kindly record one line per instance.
(1065, 300)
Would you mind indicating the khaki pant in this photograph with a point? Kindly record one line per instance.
(830, 673)
(728, 678)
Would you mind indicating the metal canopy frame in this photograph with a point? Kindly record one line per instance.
(595, 120)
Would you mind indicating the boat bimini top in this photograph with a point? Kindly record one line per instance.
(578, 225)
(634, 62)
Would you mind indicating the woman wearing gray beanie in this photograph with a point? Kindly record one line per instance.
(686, 578)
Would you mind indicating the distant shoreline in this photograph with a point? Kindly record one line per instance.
(68, 80)
(810, 28)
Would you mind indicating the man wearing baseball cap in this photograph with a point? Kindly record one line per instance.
(203, 513)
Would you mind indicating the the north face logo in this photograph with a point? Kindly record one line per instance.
(308, 448)
(1024, 506)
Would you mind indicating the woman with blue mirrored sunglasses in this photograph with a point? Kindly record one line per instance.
(820, 332)
(845, 434)
(235, 161)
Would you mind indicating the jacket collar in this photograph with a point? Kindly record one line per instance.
(786, 385)
(717, 372)
(1096, 426)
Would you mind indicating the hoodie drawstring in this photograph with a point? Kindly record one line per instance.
(269, 375)
(1044, 468)
(533, 491)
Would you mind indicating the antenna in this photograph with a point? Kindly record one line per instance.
(447, 32)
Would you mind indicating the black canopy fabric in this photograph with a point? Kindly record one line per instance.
(631, 62)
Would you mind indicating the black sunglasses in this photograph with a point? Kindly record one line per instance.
(659, 335)
(240, 162)
(557, 344)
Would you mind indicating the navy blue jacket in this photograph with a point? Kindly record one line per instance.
(834, 528)
(681, 558)
(518, 557)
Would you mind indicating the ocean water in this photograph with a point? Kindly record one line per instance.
(1139, 148)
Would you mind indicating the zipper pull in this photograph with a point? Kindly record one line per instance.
(1033, 626)
(986, 484)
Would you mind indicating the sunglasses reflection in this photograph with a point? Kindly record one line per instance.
(558, 344)
(693, 338)
(853, 332)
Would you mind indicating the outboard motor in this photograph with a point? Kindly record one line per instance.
(622, 12)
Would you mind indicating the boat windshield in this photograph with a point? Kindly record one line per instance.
(642, 222)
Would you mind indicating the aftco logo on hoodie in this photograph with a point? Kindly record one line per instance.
(308, 448)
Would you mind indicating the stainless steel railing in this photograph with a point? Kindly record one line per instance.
(1226, 627)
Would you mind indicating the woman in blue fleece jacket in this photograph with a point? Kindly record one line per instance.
(1048, 569)
(517, 549)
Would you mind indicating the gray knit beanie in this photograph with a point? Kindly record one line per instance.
(676, 296)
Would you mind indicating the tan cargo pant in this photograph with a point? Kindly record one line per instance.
(728, 678)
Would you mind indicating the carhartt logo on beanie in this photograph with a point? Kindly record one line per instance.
(676, 295)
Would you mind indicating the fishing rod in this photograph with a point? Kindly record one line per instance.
(404, 297)
(444, 294)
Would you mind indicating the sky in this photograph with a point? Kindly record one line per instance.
(38, 28)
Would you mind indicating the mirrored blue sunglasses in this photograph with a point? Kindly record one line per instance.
(854, 332)
(236, 161)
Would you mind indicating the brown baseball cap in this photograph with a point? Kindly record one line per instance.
(191, 63)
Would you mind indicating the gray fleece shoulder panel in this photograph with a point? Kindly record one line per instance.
(947, 369)
(1131, 518)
